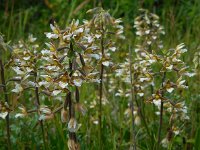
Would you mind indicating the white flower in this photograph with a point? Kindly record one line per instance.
(137, 120)
(80, 30)
(139, 33)
(96, 80)
(67, 37)
(31, 83)
(3, 115)
(27, 58)
(46, 52)
(62, 84)
(18, 88)
(19, 115)
(89, 38)
(73, 125)
(170, 89)
(42, 117)
(31, 38)
(45, 110)
(96, 122)
(165, 142)
(106, 63)
(119, 72)
(157, 102)
(97, 35)
(169, 67)
(18, 70)
(56, 92)
(28, 69)
(147, 31)
(96, 56)
(190, 74)
(144, 79)
(52, 28)
(112, 49)
(78, 82)
(51, 35)
(117, 21)
(44, 83)
(140, 94)
(154, 37)
(180, 83)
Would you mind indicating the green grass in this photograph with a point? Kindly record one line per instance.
(180, 19)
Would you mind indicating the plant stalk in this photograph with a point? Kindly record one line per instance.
(161, 113)
(7, 101)
(131, 101)
(101, 88)
(38, 107)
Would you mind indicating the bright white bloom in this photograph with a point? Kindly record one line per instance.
(165, 142)
(18, 88)
(3, 115)
(106, 63)
(73, 125)
(56, 92)
(78, 82)
(63, 84)
(18, 70)
(51, 35)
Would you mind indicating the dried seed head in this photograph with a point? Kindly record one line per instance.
(72, 145)
(63, 115)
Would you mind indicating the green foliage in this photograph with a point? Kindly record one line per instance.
(19, 19)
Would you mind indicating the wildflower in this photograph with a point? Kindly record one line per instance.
(22, 114)
(46, 113)
(137, 121)
(73, 125)
(3, 114)
(78, 82)
(72, 145)
(56, 92)
(165, 142)
(18, 88)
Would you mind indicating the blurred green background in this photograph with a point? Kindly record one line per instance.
(181, 18)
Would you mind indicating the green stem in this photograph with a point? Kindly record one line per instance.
(7, 101)
(38, 107)
(101, 87)
(131, 101)
(161, 114)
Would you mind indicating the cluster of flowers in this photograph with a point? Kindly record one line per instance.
(148, 30)
(151, 68)
(71, 58)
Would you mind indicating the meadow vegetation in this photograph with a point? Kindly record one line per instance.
(100, 74)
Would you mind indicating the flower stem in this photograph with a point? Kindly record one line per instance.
(161, 114)
(131, 102)
(72, 135)
(38, 107)
(101, 88)
(7, 101)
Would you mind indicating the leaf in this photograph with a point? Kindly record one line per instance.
(197, 139)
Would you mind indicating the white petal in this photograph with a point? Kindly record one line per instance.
(19, 115)
(112, 49)
(63, 85)
(78, 82)
(170, 89)
(56, 92)
(3, 115)
(106, 63)
(18, 88)
(18, 70)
